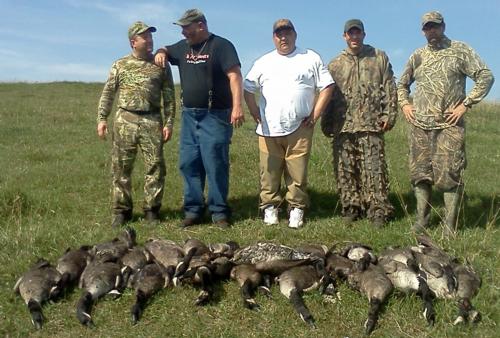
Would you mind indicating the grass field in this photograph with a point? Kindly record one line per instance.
(55, 192)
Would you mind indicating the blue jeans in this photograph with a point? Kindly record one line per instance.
(204, 155)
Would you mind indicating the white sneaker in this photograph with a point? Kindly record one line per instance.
(296, 218)
(271, 215)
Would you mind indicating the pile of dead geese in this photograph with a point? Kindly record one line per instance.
(110, 267)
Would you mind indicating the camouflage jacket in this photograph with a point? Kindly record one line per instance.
(141, 85)
(364, 94)
(439, 74)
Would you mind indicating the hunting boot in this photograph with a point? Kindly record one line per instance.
(423, 193)
(452, 207)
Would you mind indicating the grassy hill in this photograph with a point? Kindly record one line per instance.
(55, 192)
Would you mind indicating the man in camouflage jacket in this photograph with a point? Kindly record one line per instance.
(437, 126)
(362, 109)
(138, 123)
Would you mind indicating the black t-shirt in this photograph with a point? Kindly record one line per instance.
(193, 64)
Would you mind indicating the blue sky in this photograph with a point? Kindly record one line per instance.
(77, 40)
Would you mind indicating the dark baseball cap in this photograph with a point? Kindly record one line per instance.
(190, 16)
(353, 23)
(139, 27)
(283, 24)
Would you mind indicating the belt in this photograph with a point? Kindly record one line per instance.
(142, 112)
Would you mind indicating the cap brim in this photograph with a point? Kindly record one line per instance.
(282, 27)
(353, 26)
(432, 21)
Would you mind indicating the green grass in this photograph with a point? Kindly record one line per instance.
(55, 192)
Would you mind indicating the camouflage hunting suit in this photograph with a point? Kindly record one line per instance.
(437, 149)
(138, 124)
(364, 98)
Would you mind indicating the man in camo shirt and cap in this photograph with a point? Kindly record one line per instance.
(437, 126)
(138, 123)
(363, 107)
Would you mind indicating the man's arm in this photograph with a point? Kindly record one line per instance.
(106, 102)
(236, 86)
(403, 90)
(161, 57)
(252, 105)
(391, 95)
(321, 103)
(168, 94)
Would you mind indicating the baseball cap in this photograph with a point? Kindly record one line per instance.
(283, 24)
(190, 16)
(139, 27)
(353, 23)
(433, 16)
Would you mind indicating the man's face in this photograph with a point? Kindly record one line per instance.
(284, 40)
(192, 32)
(433, 32)
(143, 43)
(354, 38)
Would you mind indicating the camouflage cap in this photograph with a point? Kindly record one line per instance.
(433, 16)
(353, 23)
(139, 27)
(190, 16)
(283, 24)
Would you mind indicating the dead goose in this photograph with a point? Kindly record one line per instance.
(457, 281)
(199, 273)
(468, 286)
(136, 258)
(118, 246)
(192, 247)
(266, 251)
(103, 275)
(224, 249)
(72, 263)
(36, 286)
(370, 280)
(437, 268)
(248, 279)
(400, 266)
(294, 281)
(167, 253)
(149, 280)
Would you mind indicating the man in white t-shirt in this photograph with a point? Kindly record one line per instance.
(288, 79)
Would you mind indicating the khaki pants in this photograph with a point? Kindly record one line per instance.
(285, 156)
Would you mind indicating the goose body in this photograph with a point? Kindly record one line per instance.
(146, 282)
(371, 281)
(118, 246)
(248, 279)
(36, 286)
(72, 263)
(401, 268)
(102, 276)
(266, 251)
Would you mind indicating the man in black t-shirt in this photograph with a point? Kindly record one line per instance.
(211, 87)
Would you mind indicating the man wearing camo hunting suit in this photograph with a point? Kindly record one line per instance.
(363, 107)
(138, 123)
(437, 126)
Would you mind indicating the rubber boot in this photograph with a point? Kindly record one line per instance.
(452, 206)
(423, 193)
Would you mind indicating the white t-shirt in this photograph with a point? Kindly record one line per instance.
(288, 85)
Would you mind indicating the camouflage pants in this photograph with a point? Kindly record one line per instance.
(130, 132)
(361, 174)
(437, 156)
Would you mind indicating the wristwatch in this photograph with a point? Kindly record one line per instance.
(467, 102)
